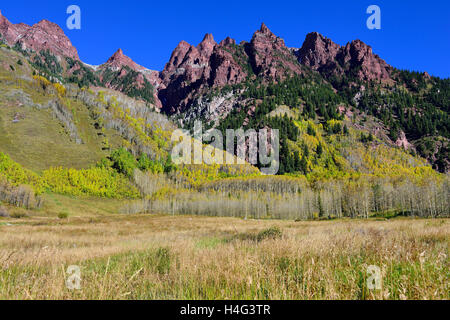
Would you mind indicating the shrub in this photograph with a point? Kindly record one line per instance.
(60, 89)
(42, 81)
(311, 131)
(4, 212)
(18, 215)
(63, 215)
(169, 166)
(104, 163)
(144, 162)
(270, 233)
(123, 161)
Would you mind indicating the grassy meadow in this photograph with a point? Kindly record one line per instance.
(86, 173)
(191, 257)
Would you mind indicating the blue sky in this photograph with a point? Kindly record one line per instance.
(415, 34)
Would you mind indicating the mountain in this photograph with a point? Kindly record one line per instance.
(231, 85)
(211, 81)
(186, 73)
(42, 36)
(119, 60)
(123, 74)
(191, 70)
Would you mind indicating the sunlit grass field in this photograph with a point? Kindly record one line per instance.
(190, 257)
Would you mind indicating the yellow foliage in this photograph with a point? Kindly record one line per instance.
(100, 182)
(42, 81)
(16, 175)
(60, 89)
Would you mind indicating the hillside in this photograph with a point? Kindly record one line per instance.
(320, 81)
(347, 121)
(212, 80)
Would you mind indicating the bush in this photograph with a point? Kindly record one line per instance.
(169, 166)
(4, 212)
(60, 89)
(63, 215)
(145, 164)
(271, 233)
(123, 161)
(311, 131)
(18, 215)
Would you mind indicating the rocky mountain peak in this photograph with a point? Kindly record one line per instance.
(119, 59)
(358, 50)
(360, 55)
(264, 29)
(208, 39)
(265, 33)
(270, 57)
(49, 26)
(206, 47)
(227, 42)
(317, 51)
(177, 57)
(44, 35)
(329, 58)
(119, 53)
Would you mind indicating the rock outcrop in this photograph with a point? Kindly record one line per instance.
(121, 66)
(317, 51)
(358, 55)
(44, 35)
(8, 31)
(227, 64)
(192, 69)
(118, 60)
(402, 141)
(329, 58)
(270, 57)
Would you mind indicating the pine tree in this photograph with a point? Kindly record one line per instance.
(319, 150)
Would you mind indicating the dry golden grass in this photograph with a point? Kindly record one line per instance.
(186, 257)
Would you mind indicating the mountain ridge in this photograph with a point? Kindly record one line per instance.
(46, 35)
(212, 80)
